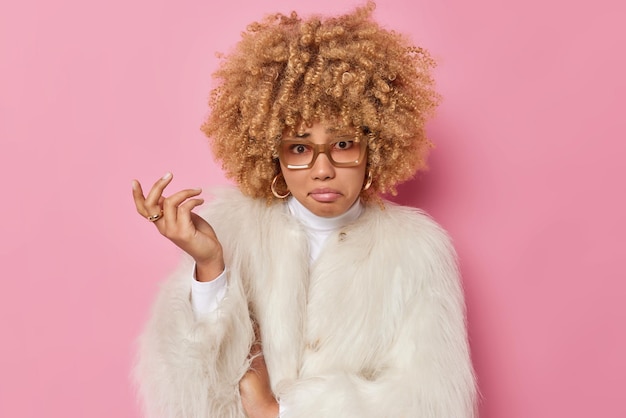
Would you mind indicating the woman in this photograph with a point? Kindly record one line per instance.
(304, 293)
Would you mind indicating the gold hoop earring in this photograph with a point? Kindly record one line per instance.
(368, 183)
(273, 188)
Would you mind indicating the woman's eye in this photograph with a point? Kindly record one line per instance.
(299, 148)
(344, 144)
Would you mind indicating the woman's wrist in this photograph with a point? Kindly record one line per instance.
(209, 271)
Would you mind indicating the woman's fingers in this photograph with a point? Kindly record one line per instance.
(171, 205)
(182, 228)
(140, 200)
(138, 197)
(152, 200)
(184, 210)
(176, 219)
(151, 204)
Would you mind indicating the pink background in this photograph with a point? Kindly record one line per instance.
(527, 176)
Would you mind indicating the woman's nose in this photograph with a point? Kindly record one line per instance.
(322, 168)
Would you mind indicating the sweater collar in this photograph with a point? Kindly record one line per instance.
(318, 223)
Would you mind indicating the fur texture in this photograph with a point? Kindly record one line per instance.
(374, 328)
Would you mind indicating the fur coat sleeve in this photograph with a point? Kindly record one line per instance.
(374, 328)
(189, 366)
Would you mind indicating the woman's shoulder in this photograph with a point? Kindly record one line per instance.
(404, 227)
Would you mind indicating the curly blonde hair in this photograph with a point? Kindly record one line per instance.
(287, 73)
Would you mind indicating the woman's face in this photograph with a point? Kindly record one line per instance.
(324, 189)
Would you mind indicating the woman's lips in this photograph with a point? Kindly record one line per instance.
(325, 195)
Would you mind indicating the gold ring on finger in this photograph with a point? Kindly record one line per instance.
(155, 217)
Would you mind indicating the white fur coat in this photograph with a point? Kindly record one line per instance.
(375, 328)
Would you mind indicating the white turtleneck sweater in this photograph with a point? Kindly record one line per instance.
(206, 296)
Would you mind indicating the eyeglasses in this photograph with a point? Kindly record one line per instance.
(299, 154)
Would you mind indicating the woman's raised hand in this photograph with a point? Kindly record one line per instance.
(175, 220)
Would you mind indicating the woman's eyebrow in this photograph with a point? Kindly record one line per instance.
(339, 132)
(302, 135)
